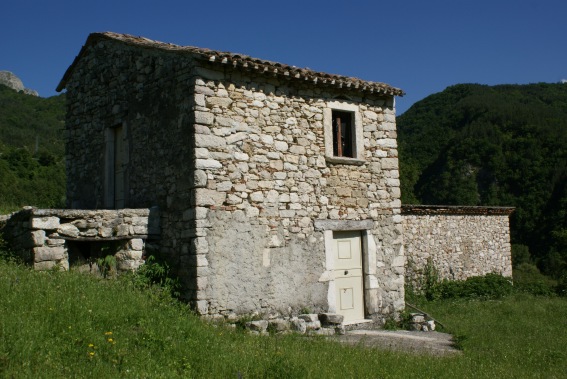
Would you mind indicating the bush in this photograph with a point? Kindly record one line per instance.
(561, 288)
(156, 275)
(527, 278)
(520, 255)
(490, 286)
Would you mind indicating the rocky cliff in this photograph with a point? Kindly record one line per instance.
(10, 80)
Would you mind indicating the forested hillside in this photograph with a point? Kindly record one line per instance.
(469, 145)
(494, 145)
(32, 169)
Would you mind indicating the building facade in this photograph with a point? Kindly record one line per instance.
(277, 187)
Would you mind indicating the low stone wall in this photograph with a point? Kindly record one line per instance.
(459, 242)
(46, 237)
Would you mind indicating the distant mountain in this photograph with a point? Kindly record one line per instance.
(12, 81)
(494, 145)
(32, 169)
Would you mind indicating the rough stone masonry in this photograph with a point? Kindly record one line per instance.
(237, 153)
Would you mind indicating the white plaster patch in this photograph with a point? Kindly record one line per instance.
(266, 258)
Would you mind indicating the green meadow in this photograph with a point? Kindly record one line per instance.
(71, 325)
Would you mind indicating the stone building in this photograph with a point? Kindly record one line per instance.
(276, 188)
(261, 171)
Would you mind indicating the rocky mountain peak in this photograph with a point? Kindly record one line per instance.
(12, 81)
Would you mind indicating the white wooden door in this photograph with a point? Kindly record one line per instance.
(347, 251)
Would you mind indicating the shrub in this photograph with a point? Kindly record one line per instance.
(155, 274)
(490, 286)
(520, 255)
(561, 288)
(527, 278)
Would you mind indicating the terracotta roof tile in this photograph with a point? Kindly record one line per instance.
(243, 61)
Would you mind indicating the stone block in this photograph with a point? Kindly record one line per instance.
(199, 179)
(207, 164)
(44, 265)
(281, 145)
(278, 325)
(203, 140)
(37, 237)
(233, 138)
(219, 101)
(322, 332)
(81, 224)
(204, 118)
(49, 223)
(202, 307)
(105, 232)
(204, 197)
(431, 325)
(49, 253)
(128, 264)
(417, 318)
(330, 319)
(89, 233)
(68, 230)
(140, 230)
(299, 326)
(121, 230)
(257, 326)
(340, 330)
(313, 325)
(55, 242)
(136, 244)
(389, 163)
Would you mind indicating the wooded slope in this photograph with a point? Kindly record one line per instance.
(494, 145)
(32, 169)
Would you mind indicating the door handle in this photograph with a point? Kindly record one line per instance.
(346, 272)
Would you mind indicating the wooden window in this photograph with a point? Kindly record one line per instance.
(344, 143)
(343, 134)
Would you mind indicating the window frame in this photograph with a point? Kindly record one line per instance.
(356, 127)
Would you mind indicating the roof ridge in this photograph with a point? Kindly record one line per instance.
(243, 61)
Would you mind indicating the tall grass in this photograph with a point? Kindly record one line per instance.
(65, 324)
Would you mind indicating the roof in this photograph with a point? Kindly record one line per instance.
(455, 210)
(244, 62)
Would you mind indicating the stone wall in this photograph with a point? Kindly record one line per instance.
(459, 242)
(48, 237)
(150, 94)
(266, 179)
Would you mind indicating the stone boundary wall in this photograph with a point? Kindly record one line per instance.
(45, 236)
(459, 241)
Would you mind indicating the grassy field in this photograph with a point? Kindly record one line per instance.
(66, 325)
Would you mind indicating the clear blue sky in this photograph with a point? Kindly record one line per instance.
(419, 46)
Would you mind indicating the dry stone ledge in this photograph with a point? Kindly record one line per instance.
(324, 324)
(47, 234)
